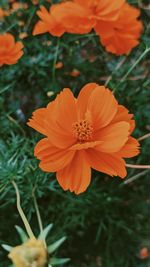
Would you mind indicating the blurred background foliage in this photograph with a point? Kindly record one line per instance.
(109, 224)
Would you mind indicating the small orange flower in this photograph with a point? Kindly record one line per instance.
(121, 36)
(10, 52)
(35, 2)
(92, 131)
(17, 5)
(23, 35)
(75, 73)
(21, 23)
(58, 65)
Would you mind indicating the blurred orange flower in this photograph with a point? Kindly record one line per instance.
(3, 13)
(58, 65)
(23, 35)
(77, 16)
(21, 23)
(121, 36)
(35, 2)
(17, 5)
(144, 253)
(75, 73)
(115, 21)
(10, 52)
(92, 131)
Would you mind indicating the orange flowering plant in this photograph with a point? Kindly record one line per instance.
(10, 52)
(116, 22)
(91, 131)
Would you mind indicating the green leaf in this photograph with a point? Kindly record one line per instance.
(56, 261)
(45, 232)
(56, 245)
(7, 247)
(22, 234)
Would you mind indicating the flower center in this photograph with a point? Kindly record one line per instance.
(83, 130)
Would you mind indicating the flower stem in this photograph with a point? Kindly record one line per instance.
(135, 177)
(135, 63)
(138, 166)
(144, 137)
(38, 213)
(21, 213)
(55, 59)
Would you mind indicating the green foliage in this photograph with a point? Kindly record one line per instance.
(107, 225)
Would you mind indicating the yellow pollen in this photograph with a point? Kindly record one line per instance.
(83, 130)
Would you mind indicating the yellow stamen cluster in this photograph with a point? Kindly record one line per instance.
(83, 130)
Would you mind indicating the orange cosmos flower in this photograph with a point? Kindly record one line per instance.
(121, 36)
(10, 52)
(92, 131)
(77, 16)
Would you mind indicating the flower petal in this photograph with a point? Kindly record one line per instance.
(52, 158)
(130, 149)
(85, 145)
(48, 23)
(106, 163)
(39, 28)
(60, 116)
(114, 136)
(83, 98)
(76, 176)
(74, 17)
(123, 115)
(108, 10)
(103, 107)
(121, 36)
(37, 120)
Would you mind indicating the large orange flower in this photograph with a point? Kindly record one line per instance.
(10, 52)
(121, 36)
(76, 16)
(92, 131)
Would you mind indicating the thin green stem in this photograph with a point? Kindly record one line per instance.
(16, 123)
(135, 64)
(144, 137)
(38, 213)
(132, 166)
(29, 20)
(21, 212)
(135, 177)
(121, 62)
(55, 59)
